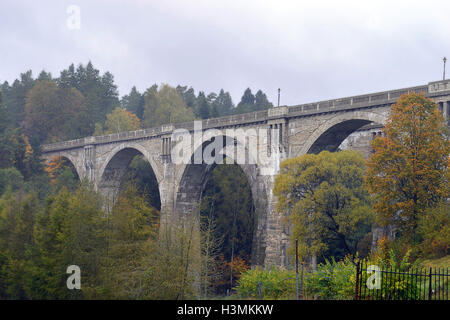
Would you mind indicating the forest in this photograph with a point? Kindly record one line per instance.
(333, 202)
(38, 237)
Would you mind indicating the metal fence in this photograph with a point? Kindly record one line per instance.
(373, 283)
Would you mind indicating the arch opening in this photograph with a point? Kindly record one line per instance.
(221, 195)
(331, 133)
(127, 166)
(62, 173)
(333, 137)
(227, 218)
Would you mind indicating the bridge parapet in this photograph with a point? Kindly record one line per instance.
(367, 100)
(433, 89)
(439, 86)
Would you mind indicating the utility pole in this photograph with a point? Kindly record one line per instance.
(279, 96)
(445, 61)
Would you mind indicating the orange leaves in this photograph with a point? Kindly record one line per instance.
(28, 148)
(238, 266)
(52, 168)
(408, 171)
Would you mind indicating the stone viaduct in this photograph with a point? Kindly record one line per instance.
(271, 136)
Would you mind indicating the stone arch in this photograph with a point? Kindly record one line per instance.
(138, 148)
(330, 134)
(191, 181)
(114, 167)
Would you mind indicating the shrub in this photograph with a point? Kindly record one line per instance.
(399, 285)
(333, 280)
(275, 284)
(434, 228)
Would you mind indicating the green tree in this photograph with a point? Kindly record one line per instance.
(223, 103)
(15, 95)
(134, 102)
(213, 107)
(141, 173)
(250, 102)
(17, 214)
(165, 106)
(211, 249)
(408, 171)
(324, 197)
(70, 230)
(99, 91)
(247, 98)
(133, 227)
(434, 231)
(118, 120)
(4, 114)
(261, 102)
(188, 96)
(174, 265)
(203, 108)
(10, 178)
(227, 192)
(51, 112)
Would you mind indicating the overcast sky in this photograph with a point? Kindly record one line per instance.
(312, 50)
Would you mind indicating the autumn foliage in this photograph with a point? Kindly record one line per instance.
(408, 171)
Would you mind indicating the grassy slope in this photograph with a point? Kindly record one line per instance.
(437, 263)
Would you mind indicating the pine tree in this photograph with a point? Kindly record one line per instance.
(248, 98)
(203, 107)
(134, 102)
(261, 102)
(223, 103)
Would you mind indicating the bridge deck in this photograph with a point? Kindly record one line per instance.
(308, 109)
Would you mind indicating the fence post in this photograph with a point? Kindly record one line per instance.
(357, 281)
(260, 290)
(430, 291)
(301, 281)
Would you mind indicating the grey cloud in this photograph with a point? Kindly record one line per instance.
(311, 50)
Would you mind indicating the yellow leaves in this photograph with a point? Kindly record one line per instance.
(323, 195)
(28, 148)
(408, 170)
(52, 168)
(118, 120)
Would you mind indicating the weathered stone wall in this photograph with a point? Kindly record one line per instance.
(360, 140)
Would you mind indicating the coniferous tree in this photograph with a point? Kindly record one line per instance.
(15, 95)
(188, 96)
(134, 102)
(223, 103)
(248, 98)
(250, 102)
(203, 107)
(261, 102)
